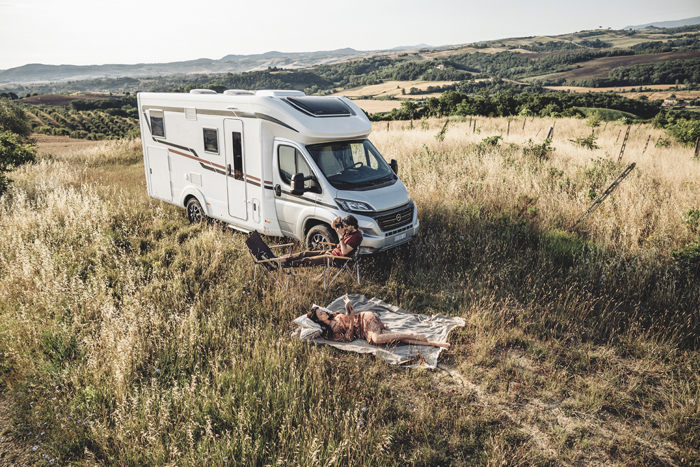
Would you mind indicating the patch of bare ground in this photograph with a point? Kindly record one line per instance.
(555, 430)
(57, 145)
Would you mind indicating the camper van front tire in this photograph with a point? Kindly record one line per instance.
(319, 233)
(195, 213)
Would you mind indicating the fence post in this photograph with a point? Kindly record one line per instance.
(618, 136)
(524, 121)
(646, 145)
(624, 143)
(508, 132)
(550, 133)
(697, 147)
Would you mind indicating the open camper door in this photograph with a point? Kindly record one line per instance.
(235, 169)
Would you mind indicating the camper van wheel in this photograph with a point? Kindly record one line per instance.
(195, 213)
(319, 233)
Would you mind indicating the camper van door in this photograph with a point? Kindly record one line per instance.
(235, 169)
(291, 209)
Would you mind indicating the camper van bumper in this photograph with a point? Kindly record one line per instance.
(372, 243)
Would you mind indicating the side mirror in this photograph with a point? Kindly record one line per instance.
(298, 184)
(394, 166)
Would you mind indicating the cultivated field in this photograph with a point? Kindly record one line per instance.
(63, 100)
(130, 337)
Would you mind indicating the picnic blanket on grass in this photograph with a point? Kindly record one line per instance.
(436, 328)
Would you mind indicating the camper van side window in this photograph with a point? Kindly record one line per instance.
(157, 127)
(287, 163)
(291, 162)
(237, 156)
(211, 140)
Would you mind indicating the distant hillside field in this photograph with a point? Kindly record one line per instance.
(599, 68)
(391, 88)
(656, 87)
(62, 100)
(607, 115)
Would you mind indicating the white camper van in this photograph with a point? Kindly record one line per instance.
(278, 162)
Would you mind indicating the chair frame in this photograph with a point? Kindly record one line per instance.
(273, 260)
(352, 271)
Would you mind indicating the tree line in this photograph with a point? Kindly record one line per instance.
(505, 104)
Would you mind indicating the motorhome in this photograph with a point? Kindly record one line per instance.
(275, 161)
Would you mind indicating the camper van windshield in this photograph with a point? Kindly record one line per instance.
(352, 165)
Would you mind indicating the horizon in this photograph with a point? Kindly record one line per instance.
(160, 33)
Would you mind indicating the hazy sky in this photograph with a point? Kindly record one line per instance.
(94, 32)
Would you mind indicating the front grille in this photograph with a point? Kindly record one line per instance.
(394, 219)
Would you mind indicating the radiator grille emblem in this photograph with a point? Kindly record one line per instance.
(398, 218)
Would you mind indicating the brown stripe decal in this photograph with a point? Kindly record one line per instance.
(255, 181)
(201, 161)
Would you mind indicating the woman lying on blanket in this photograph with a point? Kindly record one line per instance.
(363, 325)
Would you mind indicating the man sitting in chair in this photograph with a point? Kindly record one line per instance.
(350, 239)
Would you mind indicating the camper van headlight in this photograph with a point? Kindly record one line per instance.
(348, 205)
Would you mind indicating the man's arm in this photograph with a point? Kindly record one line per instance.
(347, 248)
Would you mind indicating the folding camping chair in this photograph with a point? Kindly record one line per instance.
(264, 257)
(351, 265)
(274, 265)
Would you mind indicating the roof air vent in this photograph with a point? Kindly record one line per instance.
(279, 93)
(202, 91)
(238, 92)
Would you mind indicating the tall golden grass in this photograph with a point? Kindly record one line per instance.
(129, 337)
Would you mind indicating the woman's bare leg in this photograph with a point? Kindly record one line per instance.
(407, 338)
(426, 342)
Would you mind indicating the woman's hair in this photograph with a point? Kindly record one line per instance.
(326, 330)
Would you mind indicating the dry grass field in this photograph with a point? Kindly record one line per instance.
(391, 88)
(130, 337)
(48, 145)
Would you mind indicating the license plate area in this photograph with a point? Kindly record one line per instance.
(398, 238)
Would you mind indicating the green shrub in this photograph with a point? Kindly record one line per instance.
(692, 220)
(14, 119)
(539, 151)
(684, 131)
(587, 142)
(13, 153)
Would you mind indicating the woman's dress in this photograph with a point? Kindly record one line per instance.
(366, 324)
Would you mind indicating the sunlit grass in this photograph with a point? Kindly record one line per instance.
(117, 313)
